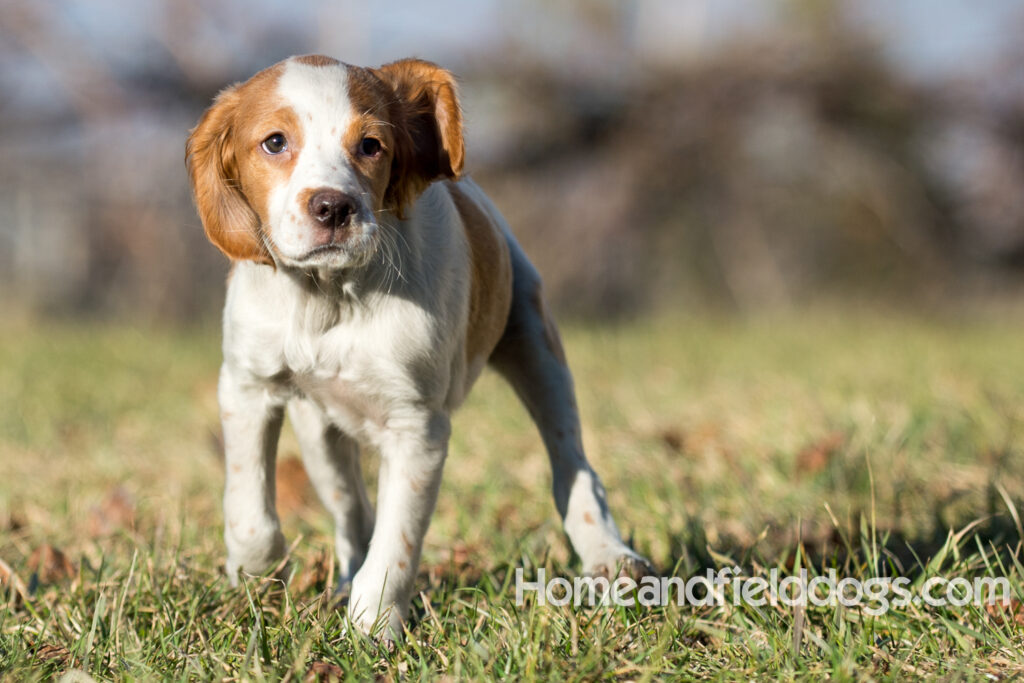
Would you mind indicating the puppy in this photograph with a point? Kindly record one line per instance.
(370, 285)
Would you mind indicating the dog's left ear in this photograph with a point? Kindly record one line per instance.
(429, 143)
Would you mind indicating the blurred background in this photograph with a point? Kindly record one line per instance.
(785, 240)
(651, 155)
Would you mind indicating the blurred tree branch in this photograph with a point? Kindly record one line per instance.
(92, 89)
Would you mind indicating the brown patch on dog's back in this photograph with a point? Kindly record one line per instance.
(490, 293)
(317, 60)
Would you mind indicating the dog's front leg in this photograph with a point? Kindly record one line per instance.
(332, 461)
(413, 451)
(251, 418)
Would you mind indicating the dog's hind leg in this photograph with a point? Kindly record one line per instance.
(531, 358)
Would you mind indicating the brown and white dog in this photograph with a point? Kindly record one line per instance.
(370, 286)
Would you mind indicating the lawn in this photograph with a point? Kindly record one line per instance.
(868, 443)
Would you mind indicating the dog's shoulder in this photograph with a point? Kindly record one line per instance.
(490, 294)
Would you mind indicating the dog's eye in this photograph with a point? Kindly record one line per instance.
(369, 147)
(275, 144)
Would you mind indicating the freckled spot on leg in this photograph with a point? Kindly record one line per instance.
(334, 130)
(588, 518)
(236, 468)
(336, 496)
(407, 543)
(252, 531)
(402, 564)
(226, 414)
(334, 168)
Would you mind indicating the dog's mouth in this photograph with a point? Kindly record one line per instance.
(352, 252)
(333, 247)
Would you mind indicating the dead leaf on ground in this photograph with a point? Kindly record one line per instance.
(460, 554)
(507, 516)
(815, 457)
(116, 511)
(50, 565)
(1012, 611)
(293, 487)
(53, 653)
(706, 437)
(324, 671)
(14, 523)
(13, 590)
(316, 574)
(463, 566)
(673, 438)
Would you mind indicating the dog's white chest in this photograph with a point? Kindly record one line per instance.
(349, 392)
(360, 361)
(351, 404)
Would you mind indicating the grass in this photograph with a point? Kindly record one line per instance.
(860, 442)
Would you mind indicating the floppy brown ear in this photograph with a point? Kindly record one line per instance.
(229, 221)
(429, 141)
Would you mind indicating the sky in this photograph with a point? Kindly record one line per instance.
(926, 38)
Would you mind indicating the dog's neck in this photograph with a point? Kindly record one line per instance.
(346, 284)
(384, 272)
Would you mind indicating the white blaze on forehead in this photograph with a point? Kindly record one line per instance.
(318, 94)
(319, 97)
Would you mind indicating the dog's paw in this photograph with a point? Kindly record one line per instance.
(628, 564)
(360, 637)
(281, 571)
(261, 551)
(386, 629)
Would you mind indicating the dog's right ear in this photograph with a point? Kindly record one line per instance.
(229, 221)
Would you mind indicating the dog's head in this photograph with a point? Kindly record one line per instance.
(294, 166)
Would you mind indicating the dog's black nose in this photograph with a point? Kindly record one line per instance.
(331, 208)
